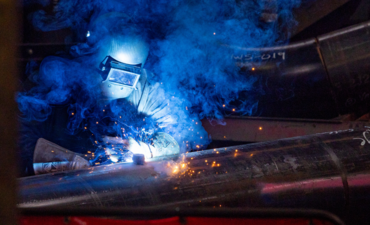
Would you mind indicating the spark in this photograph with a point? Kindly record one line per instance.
(176, 169)
(253, 68)
(260, 128)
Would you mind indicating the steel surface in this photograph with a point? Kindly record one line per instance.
(328, 171)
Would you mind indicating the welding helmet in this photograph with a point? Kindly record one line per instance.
(119, 79)
(122, 64)
(122, 49)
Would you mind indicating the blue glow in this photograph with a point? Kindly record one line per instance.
(191, 48)
(123, 77)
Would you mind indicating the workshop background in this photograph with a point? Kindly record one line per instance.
(321, 83)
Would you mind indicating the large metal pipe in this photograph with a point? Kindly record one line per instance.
(327, 171)
(321, 77)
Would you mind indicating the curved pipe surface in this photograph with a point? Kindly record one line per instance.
(328, 171)
(321, 77)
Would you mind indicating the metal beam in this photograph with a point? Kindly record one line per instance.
(257, 129)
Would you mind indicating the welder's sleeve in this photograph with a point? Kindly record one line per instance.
(171, 114)
(150, 100)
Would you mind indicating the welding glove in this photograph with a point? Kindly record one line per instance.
(49, 158)
(162, 145)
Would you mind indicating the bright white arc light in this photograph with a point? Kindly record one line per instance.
(88, 34)
(124, 57)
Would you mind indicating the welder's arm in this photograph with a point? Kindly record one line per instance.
(151, 100)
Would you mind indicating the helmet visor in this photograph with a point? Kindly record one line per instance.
(123, 77)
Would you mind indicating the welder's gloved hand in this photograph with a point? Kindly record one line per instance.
(162, 145)
(49, 158)
(165, 144)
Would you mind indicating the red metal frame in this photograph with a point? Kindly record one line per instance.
(74, 220)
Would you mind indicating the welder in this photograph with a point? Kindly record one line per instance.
(119, 58)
